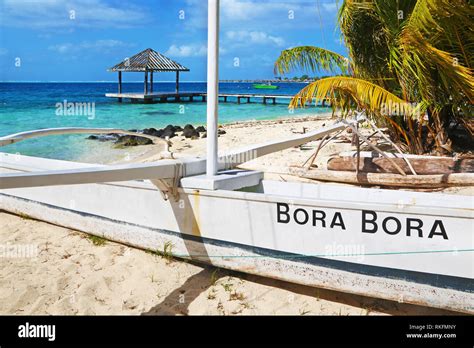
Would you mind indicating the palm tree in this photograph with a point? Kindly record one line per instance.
(414, 56)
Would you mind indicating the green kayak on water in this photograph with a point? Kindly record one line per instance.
(264, 86)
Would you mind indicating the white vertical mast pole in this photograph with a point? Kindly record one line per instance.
(212, 85)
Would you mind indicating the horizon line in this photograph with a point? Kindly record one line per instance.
(170, 81)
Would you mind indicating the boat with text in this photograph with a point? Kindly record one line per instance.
(405, 246)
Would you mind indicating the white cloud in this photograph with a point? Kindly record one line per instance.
(254, 37)
(232, 11)
(262, 14)
(329, 7)
(187, 51)
(62, 48)
(47, 14)
(102, 45)
(246, 10)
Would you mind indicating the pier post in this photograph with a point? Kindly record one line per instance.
(248, 99)
(274, 100)
(264, 100)
(238, 100)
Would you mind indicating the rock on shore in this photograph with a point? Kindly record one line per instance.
(170, 131)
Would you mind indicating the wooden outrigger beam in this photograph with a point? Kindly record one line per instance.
(432, 181)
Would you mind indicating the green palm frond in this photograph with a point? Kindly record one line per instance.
(433, 56)
(343, 91)
(431, 16)
(312, 59)
(401, 52)
(365, 39)
(418, 61)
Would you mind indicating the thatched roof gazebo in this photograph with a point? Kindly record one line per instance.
(148, 61)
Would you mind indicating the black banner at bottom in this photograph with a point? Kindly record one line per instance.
(225, 331)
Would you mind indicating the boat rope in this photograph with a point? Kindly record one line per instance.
(170, 186)
(179, 172)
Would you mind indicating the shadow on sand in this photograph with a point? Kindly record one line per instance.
(178, 301)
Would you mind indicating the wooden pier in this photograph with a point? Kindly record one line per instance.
(158, 97)
(150, 61)
(198, 96)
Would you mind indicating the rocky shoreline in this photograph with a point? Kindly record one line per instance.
(168, 132)
(193, 133)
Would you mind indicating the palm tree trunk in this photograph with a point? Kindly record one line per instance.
(441, 120)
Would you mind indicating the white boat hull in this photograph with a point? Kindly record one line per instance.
(318, 235)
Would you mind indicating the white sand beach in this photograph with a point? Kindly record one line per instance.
(73, 275)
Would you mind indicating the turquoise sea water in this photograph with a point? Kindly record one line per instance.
(28, 106)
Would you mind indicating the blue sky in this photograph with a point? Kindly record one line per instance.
(77, 40)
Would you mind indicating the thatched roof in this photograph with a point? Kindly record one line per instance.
(148, 60)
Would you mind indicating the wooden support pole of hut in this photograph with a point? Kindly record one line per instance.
(120, 85)
(177, 82)
(151, 82)
(145, 90)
